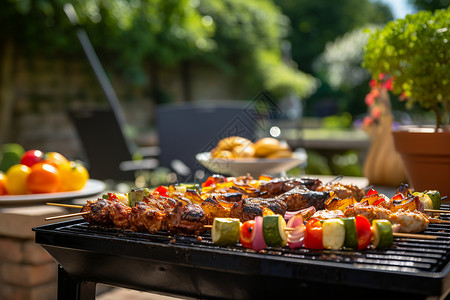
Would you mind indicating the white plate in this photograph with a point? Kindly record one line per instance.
(254, 166)
(91, 188)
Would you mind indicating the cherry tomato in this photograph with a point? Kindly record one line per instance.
(16, 179)
(73, 175)
(56, 159)
(363, 232)
(314, 234)
(245, 233)
(31, 157)
(44, 178)
(2, 184)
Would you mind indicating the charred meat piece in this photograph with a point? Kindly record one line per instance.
(216, 209)
(228, 197)
(99, 212)
(300, 198)
(343, 191)
(249, 208)
(119, 214)
(327, 214)
(146, 218)
(279, 186)
(187, 219)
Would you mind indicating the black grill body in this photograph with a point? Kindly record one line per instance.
(193, 267)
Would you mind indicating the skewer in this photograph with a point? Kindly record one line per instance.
(65, 205)
(68, 215)
(439, 221)
(394, 234)
(414, 235)
(437, 211)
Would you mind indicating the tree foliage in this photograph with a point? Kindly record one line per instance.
(430, 4)
(314, 23)
(240, 36)
(415, 51)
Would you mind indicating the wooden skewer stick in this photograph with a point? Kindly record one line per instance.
(414, 235)
(439, 221)
(68, 215)
(437, 211)
(65, 205)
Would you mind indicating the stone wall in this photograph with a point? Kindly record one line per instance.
(45, 88)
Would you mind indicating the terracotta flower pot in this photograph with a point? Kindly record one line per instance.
(426, 156)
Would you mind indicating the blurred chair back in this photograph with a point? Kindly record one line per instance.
(186, 129)
(104, 143)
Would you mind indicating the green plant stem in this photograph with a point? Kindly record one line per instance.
(438, 117)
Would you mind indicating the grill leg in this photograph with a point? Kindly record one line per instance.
(72, 289)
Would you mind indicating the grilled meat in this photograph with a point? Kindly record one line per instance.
(187, 219)
(144, 217)
(327, 214)
(248, 209)
(279, 186)
(409, 221)
(343, 191)
(216, 209)
(300, 198)
(120, 215)
(228, 197)
(99, 212)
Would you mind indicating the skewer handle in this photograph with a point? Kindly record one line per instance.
(68, 215)
(437, 211)
(65, 205)
(415, 236)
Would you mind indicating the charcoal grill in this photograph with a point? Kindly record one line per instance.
(191, 267)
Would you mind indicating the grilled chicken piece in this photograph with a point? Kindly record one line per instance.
(99, 212)
(409, 221)
(279, 186)
(216, 209)
(120, 215)
(300, 198)
(327, 214)
(343, 191)
(146, 218)
(228, 197)
(249, 208)
(187, 219)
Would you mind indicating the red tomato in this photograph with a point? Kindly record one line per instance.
(363, 232)
(245, 233)
(43, 178)
(31, 157)
(313, 234)
(2, 184)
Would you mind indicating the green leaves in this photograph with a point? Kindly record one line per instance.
(415, 50)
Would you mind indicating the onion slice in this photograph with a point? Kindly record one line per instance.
(296, 238)
(257, 235)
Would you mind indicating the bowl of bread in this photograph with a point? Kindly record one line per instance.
(237, 156)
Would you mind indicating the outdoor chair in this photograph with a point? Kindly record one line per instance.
(109, 152)
(186, 129)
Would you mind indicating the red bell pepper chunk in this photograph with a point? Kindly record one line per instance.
(162, 190)
(314, 234)
(210, 181)
(363, 232)
(371, 192)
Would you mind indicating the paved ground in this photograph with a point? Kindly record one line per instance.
(125, 294)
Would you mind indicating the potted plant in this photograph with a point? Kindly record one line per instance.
(415, 53)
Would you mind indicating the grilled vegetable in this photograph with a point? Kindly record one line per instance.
(425, 199)
(333, 235)
(435, 197)
(274, 228)
(245, 233)
(314, 234)
(257, 235)
(363, 232)
(137, 195)
(382, 237)
(225, 231)
(351, 239)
